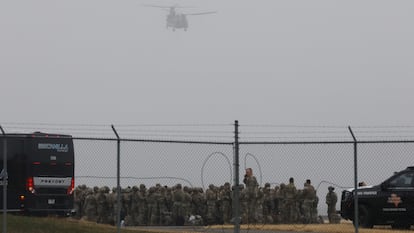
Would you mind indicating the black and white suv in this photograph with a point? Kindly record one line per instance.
(389, 203)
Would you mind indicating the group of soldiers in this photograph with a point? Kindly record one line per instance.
(283, 204)
(177, 205)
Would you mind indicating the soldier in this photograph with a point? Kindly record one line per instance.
(309, 199)
(102, 205)
(243, 204)
(126, 201)
(132, 219)
(187, 201)
(153, 214)
(268, 204)
(111, 206)
(76, 201)
(113, 200)
(169, 198)
(290, 205)
(142, 205)
(225, 197)
(162, 206)
(90, 206)
(79, 197)
(251, 191)
(315, 217)
(178, 213)
(299, 199)
(198, 202)
(362, 184)
(259, 205)
(211, 198)
(331, 199)
(219, 203)
(278, 203)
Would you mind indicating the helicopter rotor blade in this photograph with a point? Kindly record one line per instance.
(203, 13)
(167, 7)
(157, 6)
(178, 6)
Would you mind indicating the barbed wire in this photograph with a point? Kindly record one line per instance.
(224, 131)
(291, 126)
(136, 178)
(291, 132)
(118, 125)
(126, 131)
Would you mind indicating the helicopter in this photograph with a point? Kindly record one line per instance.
(177, 20)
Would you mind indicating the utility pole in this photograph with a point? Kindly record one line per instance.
(356, 206)
(236, 164)
(118, 180)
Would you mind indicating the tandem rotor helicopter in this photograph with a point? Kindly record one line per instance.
(177, 20)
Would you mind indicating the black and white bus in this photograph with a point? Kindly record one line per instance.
(40, 169)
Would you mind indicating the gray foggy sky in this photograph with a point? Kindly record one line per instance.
(106, 61)
(268, 61)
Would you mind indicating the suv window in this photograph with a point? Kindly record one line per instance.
(403, 180)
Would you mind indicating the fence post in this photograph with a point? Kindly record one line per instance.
(4, 179)
(356, 206)
(118, 181)
(236, 200)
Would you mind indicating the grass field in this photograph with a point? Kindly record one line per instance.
(325, 228)
(23, 224)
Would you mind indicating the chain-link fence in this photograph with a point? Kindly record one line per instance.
(150, 163)
(209, 163)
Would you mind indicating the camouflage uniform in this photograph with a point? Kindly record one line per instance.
(331, 199)
(243, 202)
(315, 218)
(251, 192)
(114, 206)
(219, 203)
(187, 201)
(279, 214)
(211, 198)
(259, 205)
(198, 202)
(126, 201)
(111, 210)
(153, 215)
(225, 197)
(268, 204)
(79, 198)
(169, 199)
(290, 205)
(90, 206)
(132, 218)
(162, 206)
(309, 197)
(168, 218)
(178, 211)
(102, 205)
(142, 205)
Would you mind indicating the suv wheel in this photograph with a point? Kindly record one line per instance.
(365, 219)
(401, 225)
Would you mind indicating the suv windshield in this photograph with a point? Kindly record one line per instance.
(403, 180)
